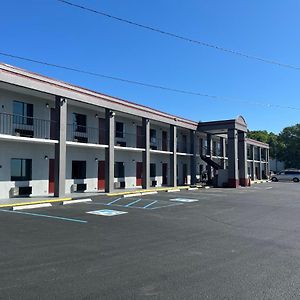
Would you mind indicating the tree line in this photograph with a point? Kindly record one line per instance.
(284, 146)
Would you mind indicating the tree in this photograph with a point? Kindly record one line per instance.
(266, 137)
(289, 150)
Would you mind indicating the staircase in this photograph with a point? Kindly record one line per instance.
(210, 162)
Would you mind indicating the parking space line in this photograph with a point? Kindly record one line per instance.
(113, 201)
(43, 216)
(136, 201)
(150, 204)
(174, 204)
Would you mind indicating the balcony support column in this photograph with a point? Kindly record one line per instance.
(146, 154)
(110, 151)
(260, 164)
(193, 157)
(60, 147)
(209, 152)
(223, 151)
(233, 174)
(173, 156)
(243, 164)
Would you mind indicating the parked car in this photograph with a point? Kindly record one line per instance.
(287, 175)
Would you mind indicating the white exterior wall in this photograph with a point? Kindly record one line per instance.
(158, 159)
(88, 155)
(129, 158)
(40, 166)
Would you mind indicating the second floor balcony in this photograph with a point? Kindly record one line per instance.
(29, 127)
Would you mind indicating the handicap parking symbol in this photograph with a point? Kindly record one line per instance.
(106, 212)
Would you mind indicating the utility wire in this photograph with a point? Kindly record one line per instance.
(184, 38)
(149, 85)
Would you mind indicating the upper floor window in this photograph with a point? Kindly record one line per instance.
(23, 113)
(79, 121)
(21, 169)
(153, 136)
(119, 130)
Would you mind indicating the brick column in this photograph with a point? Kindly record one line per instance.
(233, 176)
(242, 159)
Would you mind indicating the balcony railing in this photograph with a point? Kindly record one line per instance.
(17, 125)
(84, 134)
(160, 144)
(131, 140)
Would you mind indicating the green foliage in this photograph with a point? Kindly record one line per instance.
(285, 146)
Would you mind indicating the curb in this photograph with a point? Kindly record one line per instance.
(35, 202)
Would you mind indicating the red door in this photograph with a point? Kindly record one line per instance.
(139, 173)
(101, 175)
(164, 141)
(51, 176)
(53, 124)
(101, 131)
(164, 173)
(139, 137)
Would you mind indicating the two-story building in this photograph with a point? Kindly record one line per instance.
(57, 138)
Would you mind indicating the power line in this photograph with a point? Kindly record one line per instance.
(149, 85)
(184, 38)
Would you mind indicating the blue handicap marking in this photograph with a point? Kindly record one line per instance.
(106, 212)
(184, 200)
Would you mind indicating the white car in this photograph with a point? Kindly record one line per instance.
(287, 175)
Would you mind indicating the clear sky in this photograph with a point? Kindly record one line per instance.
(50, 31)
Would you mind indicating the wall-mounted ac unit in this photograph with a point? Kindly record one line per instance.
(119, 185)
(78, 187)
(20, 191)
(13, 192)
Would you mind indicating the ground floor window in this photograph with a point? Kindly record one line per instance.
(21, 169)
(152, 170)
(78, 169)
(119, 170)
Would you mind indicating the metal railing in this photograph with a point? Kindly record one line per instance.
(18, 125)
(85, 134)
(132, 140)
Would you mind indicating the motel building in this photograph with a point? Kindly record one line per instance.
(57, 139)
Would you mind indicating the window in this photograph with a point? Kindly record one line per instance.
(119, 170)
(23, 113)
(119, 130)
(79, 122)
(152, 170)
(153, 136)
(21, 169)
(78, 169)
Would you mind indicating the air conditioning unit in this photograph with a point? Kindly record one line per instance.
(78, 187)
(13, 192)
(117, 185)
(20, 191)
(154, 183)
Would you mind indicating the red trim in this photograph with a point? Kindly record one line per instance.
(233, 183)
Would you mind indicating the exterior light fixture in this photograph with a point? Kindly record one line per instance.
(46, 157)
(96, 159)
(47, 105)
(112, 113)
(96, 116)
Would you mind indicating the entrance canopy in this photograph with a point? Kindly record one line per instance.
(222, 127)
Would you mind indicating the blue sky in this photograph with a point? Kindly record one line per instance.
(50, 31)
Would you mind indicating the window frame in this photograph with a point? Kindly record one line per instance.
(25, 163)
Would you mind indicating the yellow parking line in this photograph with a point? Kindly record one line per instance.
(35, 202)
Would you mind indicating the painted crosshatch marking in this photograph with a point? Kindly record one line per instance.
(107, 212)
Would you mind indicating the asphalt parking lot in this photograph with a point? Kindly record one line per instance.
(204, 244)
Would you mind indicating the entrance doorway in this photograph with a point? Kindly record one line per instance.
(184, 173)
(101, 175)
(139, 173)
(51, 176)
(164, 174)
